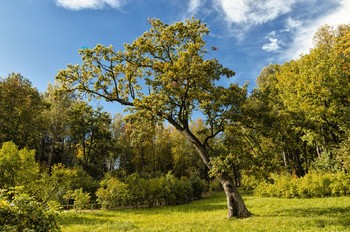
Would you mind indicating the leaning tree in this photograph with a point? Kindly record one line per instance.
(164, 76)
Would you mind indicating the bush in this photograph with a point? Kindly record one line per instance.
(17, 167)
(112, 193)
(83, 180)
(249, 182)
(215, 186)
(198, 187)
(25, 214)
(137, 189)
(157, 192)
(81, 198)
(311, 185)
(340, 186)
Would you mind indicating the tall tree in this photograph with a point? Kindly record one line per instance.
(315, 87)
(55, 138)
(90, 133)
(304, 105)
(163, 75)
(21, 106)
(276, 129)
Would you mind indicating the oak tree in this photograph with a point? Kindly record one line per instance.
(164, 75)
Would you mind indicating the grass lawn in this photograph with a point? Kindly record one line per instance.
(270, 214)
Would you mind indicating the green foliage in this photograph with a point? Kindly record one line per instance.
(91, 136)
(81, 179)
(17, 167)
(311, 185)
(199, 187)
(215, 186)
(163, 76)
(250, 182)
(326, 163)
(156, 193)
(177, 191)
(55, 139)
(281, 186)
(52, 186)
(299, 111)
(22, 213)
(112, 193)
(81, 199)
(9, 162)
(21, 107)
(137, 191)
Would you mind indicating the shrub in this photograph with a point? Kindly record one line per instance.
(166, 189)
(25, 214)
(215, 186)
(112, 193)
(198, 187)
(81, 198)
(157, 192)
(249, 182)
(17, 167)
(53, 186)
(311, 185)
(83, 180)
(341, 184)
(137, 187)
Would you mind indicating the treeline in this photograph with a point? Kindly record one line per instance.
(65, 130)
(299, 111)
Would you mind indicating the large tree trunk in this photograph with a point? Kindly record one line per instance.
(235, 204)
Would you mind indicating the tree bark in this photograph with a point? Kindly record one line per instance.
(235, 204)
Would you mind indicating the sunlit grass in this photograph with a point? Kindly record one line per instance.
(270, 214)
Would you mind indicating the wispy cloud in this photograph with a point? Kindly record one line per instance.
(89, 4)
(193, 6)
(274, 43)
(252, 12)
(302, 40)
(292, 25)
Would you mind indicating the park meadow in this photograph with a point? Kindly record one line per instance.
(208, 214)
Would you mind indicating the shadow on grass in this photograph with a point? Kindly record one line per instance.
(98, 219)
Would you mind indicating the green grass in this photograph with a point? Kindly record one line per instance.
(270, 214)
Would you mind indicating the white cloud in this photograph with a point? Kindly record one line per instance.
(89, 4)
(274, 43)
(252, 12)
(193, 6)
(303, 36)
(292, 25)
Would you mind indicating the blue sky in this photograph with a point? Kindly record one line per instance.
(40, 37)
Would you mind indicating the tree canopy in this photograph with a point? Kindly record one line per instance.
(163, 75)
